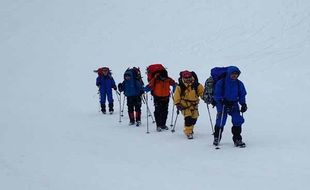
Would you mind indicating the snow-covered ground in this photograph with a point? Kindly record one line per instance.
(53, 137)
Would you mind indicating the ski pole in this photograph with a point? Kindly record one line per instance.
(175, 121)
(210, 119)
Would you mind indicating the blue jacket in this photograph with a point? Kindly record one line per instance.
(132, 87)
(230, 90)
(105, 84)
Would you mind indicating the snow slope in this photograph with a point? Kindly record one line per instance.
(52, 136)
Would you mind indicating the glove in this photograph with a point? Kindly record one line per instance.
(179, 107)
(114, 87)
(174, 87)
(208, 99)
(141, 92)
(120, 87)
(147, 89)
(244, 107)
(213, 102)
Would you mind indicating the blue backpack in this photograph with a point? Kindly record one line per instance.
(217, 73)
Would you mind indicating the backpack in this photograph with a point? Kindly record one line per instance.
(151, 70)
(136, 78)
(134, 72)
(217, 73)
(182, 85)
(101, 70)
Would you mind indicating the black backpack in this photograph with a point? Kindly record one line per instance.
(135, 73)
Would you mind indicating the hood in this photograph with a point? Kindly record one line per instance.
(232, 69)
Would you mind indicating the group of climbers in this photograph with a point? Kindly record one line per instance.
(222, 89)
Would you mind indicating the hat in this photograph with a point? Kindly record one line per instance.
(186, 74)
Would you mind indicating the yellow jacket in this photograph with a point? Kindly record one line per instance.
(189, 100)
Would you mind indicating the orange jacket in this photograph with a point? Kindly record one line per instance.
(161, 88)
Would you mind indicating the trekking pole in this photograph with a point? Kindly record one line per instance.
(153, 121)
(210, 119)
(120, 107)
(220, 131)
(122, 110)
(148, 109)
(171, 124)
(119, 98)
(147, 117)
(175, 121)
(99, 103)
(149, 114)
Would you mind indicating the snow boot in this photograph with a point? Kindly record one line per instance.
(188, 131)
(217, 135)
(216, 141)
(131, 118)
(218, 132)
(103, 110)
(138, 117)
(165, 127)
(239, 143)
(190, 136)
(111, 109)
(158, 129)
(138, 123)
(237, 138)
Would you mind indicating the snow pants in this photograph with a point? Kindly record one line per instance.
(161, 105)
(236, 119)
(190, 118)
(105, 94)
(134, 104)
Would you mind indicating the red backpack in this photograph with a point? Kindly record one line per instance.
(151, 70)
(101, 71)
